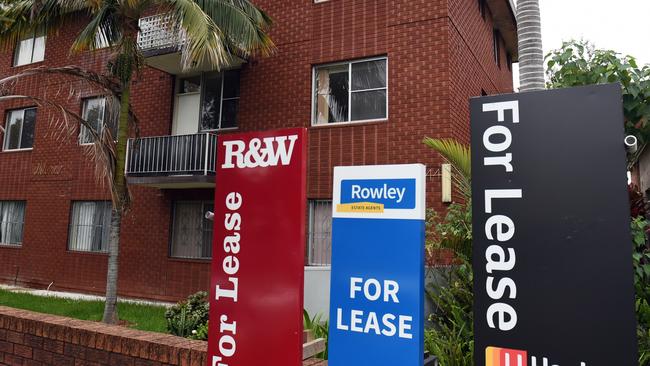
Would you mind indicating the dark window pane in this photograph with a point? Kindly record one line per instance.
(229, 114)
(29, 123)
(206, 248)
(210, 107)
(231, 84)
(369, 105)
(369, 75)
(332, 94)
(190, 85)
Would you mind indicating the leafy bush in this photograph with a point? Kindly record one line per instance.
(189, 315)
(641, 259)
(318, 327)
(451, 339)
(201, 333)
(453, 231)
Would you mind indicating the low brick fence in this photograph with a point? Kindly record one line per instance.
(33, 339)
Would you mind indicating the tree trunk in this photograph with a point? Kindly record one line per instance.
(531, 53)
(119, 181)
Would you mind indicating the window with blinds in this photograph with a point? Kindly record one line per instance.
(89, 226)
(191, 231)
(12, 221)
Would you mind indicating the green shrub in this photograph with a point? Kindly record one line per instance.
(318, 327)
(641, 260)
(201, 333)
(189, 315)
(451, 338)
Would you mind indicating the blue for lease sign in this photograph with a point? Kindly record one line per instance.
(377, 283)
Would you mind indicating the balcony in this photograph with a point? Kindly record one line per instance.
(162, 42)
(183, 161)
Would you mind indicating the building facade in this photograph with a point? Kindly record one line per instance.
(368, 78)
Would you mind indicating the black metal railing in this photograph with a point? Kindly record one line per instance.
(172, 155)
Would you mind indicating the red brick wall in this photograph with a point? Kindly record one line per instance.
(32, 339)
(439, 54)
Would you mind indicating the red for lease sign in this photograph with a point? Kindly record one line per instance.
(256, 297)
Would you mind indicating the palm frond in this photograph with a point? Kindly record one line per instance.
(244, 25)
(102, 151)
(459, 156)
(102, 27)
(205, 41)
(29, 17)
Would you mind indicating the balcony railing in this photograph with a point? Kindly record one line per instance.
(172, 155)
(158, 34)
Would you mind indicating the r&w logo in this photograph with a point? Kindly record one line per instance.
(274, 150)
(495, 356)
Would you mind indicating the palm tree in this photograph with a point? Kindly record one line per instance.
(214, 31)
(531, 54)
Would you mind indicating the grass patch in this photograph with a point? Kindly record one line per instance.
(143, 317)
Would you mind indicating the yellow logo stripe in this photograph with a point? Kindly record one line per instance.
(370, 207)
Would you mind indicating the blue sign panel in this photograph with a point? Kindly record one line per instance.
(392, 193)
(377, 283)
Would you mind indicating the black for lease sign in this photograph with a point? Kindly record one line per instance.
(553, 280)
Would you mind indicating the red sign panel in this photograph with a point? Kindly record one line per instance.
(256, 298)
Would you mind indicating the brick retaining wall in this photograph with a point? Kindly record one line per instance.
(33, 339)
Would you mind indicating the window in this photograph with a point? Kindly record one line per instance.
(94, 112)
(12, 220)
(30, 49)
(19, 129)
(191, 231)
(89, 226)
(101, 39)
(481, 7)
(219, 98)
(496, 40)
(320, 233)
(509, 61)
(353, 91)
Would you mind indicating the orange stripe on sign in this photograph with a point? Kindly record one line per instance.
(492, 356)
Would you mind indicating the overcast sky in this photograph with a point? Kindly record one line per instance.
(620, 25)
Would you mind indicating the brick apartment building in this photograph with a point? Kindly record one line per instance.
(368, 78)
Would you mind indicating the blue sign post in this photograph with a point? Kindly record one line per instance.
(377, 283)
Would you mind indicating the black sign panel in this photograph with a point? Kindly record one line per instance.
(553, 279)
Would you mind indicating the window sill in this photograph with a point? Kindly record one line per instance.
(227, 129)
(27, 65)
(17, 150)
(309, 267)
(353, 123)
(190, 260)
(80, 252)
(11, 246)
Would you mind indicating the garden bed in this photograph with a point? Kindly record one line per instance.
(136, 316)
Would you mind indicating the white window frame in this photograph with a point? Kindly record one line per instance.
(20, 243)
(83, 128)
(5, 141)
(204, 204)
(350, 91)
(311, 262)
(33, 38)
